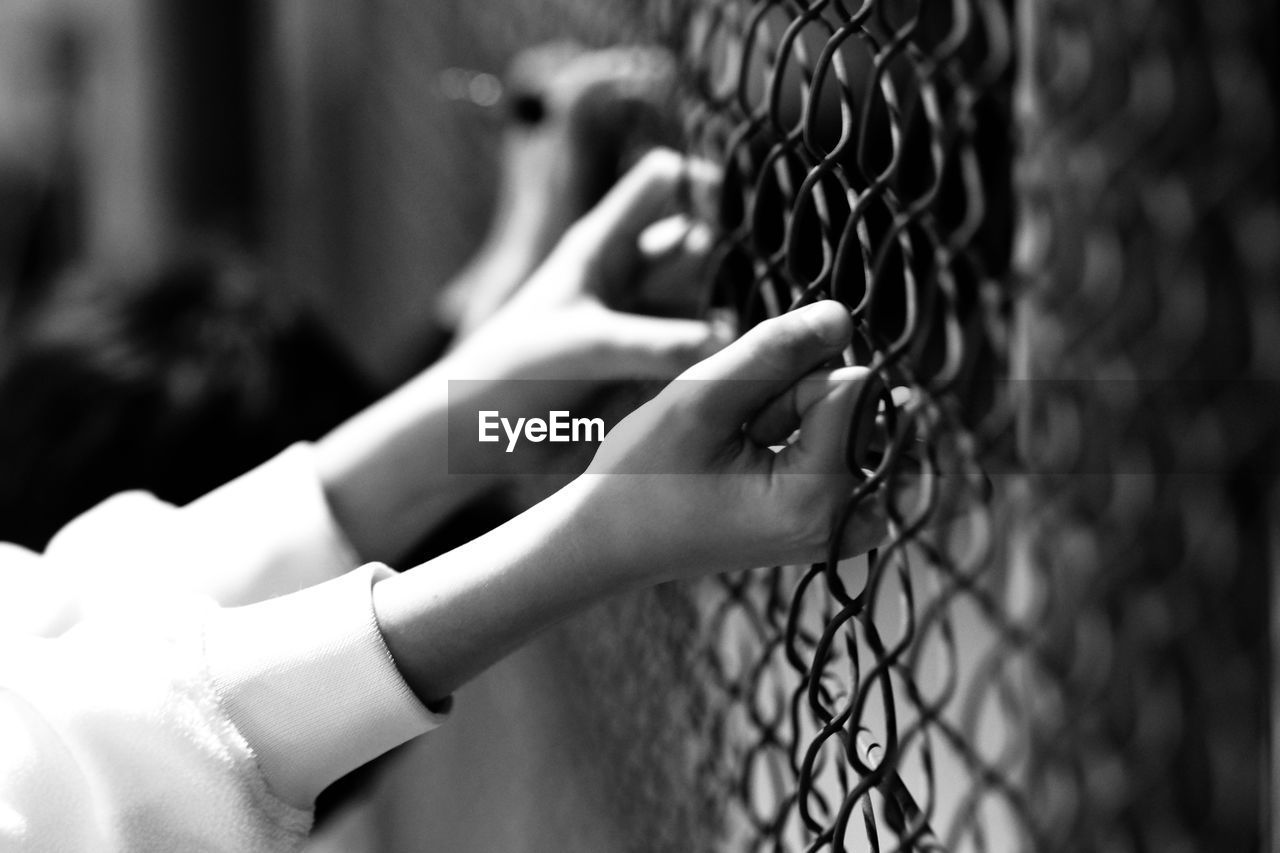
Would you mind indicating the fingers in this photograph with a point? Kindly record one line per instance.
(824, 405)
(659, 185)
(677, 235)
(782, 415)
(821, 453)
(867, 528)
(676, 281)
(824, 431)
(769, 359)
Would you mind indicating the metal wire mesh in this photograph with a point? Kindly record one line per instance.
(867, 153)
(1071, 657)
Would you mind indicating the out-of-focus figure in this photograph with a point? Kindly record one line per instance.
(170, 380)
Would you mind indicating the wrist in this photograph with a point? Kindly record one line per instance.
(624, 533)
(447, 620)
(485, 353)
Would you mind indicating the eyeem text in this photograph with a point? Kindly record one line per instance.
(558, 427)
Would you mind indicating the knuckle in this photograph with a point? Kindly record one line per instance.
(774, 352)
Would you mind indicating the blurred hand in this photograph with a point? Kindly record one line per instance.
(573, 319)
(688, 483)
(634, 250)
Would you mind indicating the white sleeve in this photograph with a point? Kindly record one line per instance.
(196, 728)
(266, 533)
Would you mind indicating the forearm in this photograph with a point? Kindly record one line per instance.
(386, 472)
(451, 618)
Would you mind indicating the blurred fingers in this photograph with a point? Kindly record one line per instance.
(661, 184)
(676, 281)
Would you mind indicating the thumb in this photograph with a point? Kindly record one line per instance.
(741, 379)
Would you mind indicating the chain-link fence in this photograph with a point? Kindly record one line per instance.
(1068, 652)
(868, 156)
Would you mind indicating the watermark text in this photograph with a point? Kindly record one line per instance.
(559, 427)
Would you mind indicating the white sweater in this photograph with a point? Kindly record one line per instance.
(136, 714)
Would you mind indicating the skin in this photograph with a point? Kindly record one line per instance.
(689, 483)
(386, 470)
(628, 522)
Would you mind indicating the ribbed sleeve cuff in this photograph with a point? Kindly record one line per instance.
(309, 683)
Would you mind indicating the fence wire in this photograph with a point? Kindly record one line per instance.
(1063, 645)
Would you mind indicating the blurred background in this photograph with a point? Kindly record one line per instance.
(348, 144)
(300, 179)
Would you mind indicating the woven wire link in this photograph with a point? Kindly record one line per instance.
(867, 160)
